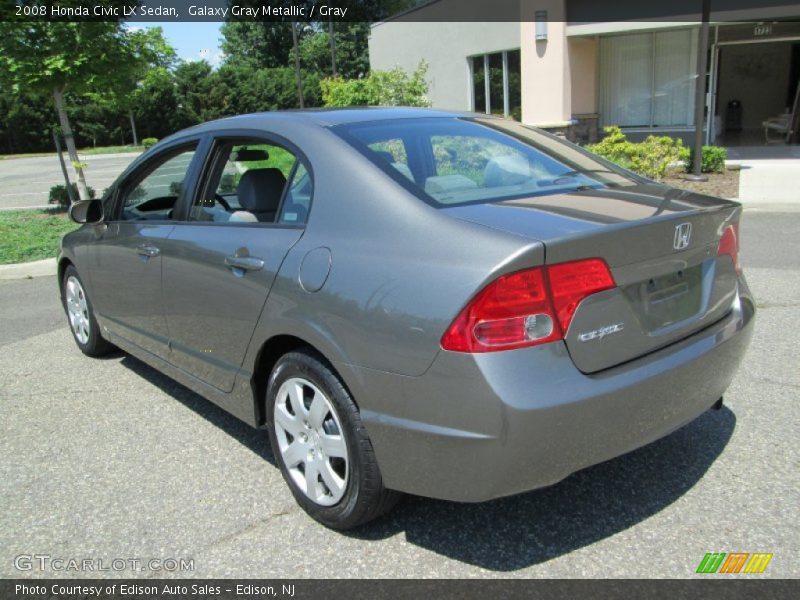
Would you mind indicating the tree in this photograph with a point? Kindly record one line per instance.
(26, 122)
(157, 105)
(53, 57)
(255, 44)
(351, 50)
(149, 51)
(192, 84)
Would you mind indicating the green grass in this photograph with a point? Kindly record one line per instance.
(27, 235)
(82, 151)
(30, 155)
(110, 150)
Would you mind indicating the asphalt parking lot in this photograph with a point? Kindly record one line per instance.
(27, 181)
(108, 459)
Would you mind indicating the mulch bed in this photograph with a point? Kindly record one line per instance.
(723, 185)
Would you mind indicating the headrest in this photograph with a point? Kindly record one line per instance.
(260, 190)
(249, 155)
(511, 169)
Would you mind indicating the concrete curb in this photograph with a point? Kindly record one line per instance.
(29, 270)
(39, 207)
(90, 157)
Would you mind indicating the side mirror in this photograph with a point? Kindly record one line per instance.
(86, 211)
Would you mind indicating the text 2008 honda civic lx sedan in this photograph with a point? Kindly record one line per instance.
(409, 300)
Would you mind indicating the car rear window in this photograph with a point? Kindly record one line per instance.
(454, 161)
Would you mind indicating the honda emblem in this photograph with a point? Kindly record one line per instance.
(683, 234)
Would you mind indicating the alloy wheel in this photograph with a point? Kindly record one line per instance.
(77, 309)
(311, 441)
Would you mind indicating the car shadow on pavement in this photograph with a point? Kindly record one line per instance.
(593, 504)
(254, 439)
(520, 531)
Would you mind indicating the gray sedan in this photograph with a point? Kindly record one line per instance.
(408, 300)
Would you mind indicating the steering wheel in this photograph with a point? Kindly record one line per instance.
(222, 201)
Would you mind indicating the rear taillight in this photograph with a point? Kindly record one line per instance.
(571, 282)
(526, 308)
(729, 245)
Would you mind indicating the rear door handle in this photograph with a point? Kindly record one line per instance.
(148, 250)
(244, 263)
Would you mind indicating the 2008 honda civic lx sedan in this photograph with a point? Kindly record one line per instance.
(408, 300)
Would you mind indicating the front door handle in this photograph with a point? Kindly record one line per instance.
(148, 250)
(244, 263)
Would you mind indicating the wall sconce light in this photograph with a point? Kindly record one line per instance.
(541, 25)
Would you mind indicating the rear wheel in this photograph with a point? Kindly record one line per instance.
(321, 445)
(79, 311)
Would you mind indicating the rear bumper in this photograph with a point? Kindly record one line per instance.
(478, 427)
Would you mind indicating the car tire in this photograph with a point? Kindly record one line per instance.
(80, 315)
(339, 492)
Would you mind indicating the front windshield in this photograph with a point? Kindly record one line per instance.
(450, 161)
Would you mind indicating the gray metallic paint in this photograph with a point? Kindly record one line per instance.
(211, 308)
(529, 418)
(398, 271)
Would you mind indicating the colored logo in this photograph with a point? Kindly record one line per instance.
(734, 562)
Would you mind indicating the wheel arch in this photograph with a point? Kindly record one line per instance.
(63, 265)
(268, 355)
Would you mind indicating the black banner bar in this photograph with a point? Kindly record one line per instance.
(728, 588)
(572, 11)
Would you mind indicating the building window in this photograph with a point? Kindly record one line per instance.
(647, 79)
(501, 92)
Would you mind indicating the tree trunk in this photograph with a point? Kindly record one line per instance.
(332, 36)
(66, 131)
(297, 66)
(133, 128)
(70, 193)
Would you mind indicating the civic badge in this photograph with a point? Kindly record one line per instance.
(683, 234)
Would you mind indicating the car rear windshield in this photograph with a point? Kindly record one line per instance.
(455, 161)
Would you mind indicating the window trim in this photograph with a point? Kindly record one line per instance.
(213, 139)
(484, 58)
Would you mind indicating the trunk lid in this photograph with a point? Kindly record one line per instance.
(661, 246)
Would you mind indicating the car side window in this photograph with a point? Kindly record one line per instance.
(153, 194)
(298, 198)
(245, 183)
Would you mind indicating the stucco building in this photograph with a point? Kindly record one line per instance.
(573, 73)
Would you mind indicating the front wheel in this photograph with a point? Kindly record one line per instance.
(321, 445)
(80, 313)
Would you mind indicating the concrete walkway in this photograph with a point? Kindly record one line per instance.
(770, 174)
(769, 181)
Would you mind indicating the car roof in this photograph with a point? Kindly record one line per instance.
(321, 117)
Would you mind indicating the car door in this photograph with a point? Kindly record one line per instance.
(125, 260)
(221, 258)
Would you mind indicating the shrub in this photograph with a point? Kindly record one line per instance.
(149, 142)
(59, 195)
(379, 88)
(650, 158)
(614, 147)
(713, 159)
